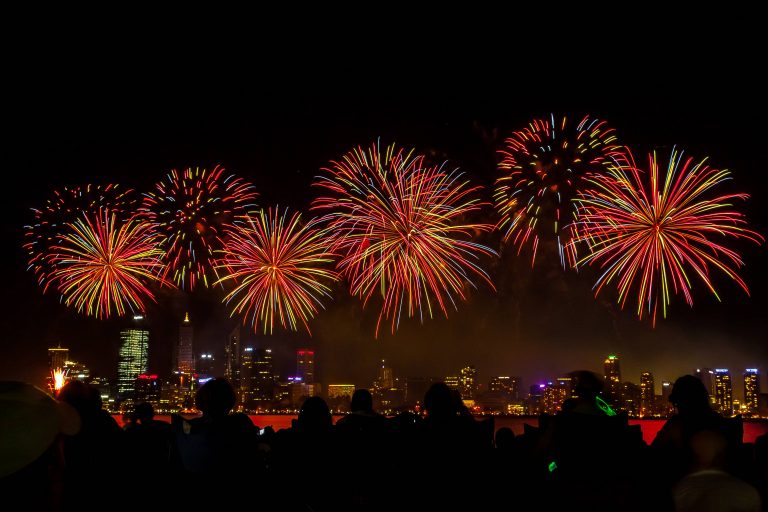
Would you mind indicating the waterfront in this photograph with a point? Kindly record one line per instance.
(752, 429)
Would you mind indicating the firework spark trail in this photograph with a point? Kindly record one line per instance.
(66, 206)
(652, 232)
(103, 265)
(190, 209)
(543, 166)
(400, 229)
(278, 267)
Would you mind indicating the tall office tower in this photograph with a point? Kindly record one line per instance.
(386, 377)
(132, 359)
(264, 383)
(148, 389)
(185, 356)
(707, 376)
(452, 381)
(632, 397)
(305, 365)
(515, 385)
(553, 396)
(468, 382)
(499, 384)
(57, 357)
(666, 408)
(723, 391)
(232, 357)
(205, 364)
(647, 395)
(613, 379)
(247, 377)
(752, 391)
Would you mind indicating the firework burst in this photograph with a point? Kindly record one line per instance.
(652, 232)
(66, 206)
(103, 265)
(400, 229)
(278, 269)
(542, 168)
(58, 379)
(190, 209)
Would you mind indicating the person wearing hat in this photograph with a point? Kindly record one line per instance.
(31, 424)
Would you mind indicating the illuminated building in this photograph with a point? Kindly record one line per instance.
(723, 391)
(647, 396)
(341, 390)
(553, 395)
(533, 402)
(452, 381)
(247, 377)
(232, 357)
(305, 365)
(632, 396)
(707, 376)
(77, 371)
(499, 384)
(468, 382)
(613, 379)
(514, 388)
(386, 378)
(205, 364)
(667, 407)
(148, 389)
(263, 382)
(185, 357)
(57, 356)
(132, 359)
(752, 391)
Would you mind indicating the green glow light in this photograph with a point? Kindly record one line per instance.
(552, 466)
(604, 406)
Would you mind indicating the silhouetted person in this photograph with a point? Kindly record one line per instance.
(505, 439)
(309, 443)
(218, 449)
(362, 449)
(362, 417)
(151, 455)
(672, 445)
(589, 452)
(708, 487)
(99, 444)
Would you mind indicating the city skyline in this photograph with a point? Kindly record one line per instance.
(544, 321)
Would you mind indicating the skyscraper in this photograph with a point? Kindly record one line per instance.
(647, 394)
(232, 357)
(723, 391)
(132, 359)
(613, 379)
(305, 365)
(57, 357)
(752, 390)
(707, 376)
(468, 382)
(264, 383)
(205, 364)
(386, 377)
(247, 377)
(185, 356)
(666, 408)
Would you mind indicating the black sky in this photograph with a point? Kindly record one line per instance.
(133, 124)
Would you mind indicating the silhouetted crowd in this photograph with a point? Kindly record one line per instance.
(72, 455)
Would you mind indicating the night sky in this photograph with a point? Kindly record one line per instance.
(133, 126)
